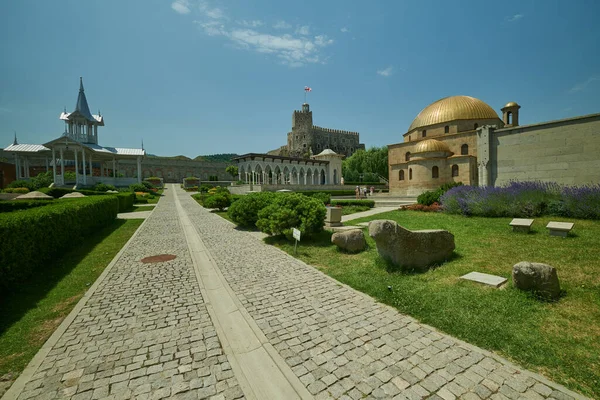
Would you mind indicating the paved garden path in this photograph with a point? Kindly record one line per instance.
(231, 317)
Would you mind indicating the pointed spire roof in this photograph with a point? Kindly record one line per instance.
(82, 104)
(15, 141)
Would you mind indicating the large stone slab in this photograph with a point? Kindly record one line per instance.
(521, 224)
(559, 228)
(411, 250)
(486, 279)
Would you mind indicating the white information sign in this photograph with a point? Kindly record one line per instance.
(296, 233)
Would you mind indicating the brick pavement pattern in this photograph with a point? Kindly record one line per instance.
(145, 332)
(344, 345)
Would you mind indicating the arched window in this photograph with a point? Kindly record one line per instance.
(509, 118)
(455, 170)
(410, 174)
(435, 172)
(424, 132)
(407, 156)
(464, 150)
(401, 175)
(446, 129)
(475, 126)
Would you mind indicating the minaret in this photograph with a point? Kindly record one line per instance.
(82, 125)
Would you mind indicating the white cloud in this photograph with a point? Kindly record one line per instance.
(282, 25)
(210, 12)
(583, 85)
(251, 24)
(344, 30)
(295, 49)
(181, 6)
(385, 72)
(303, 30)
(322, 40)
(514, 18)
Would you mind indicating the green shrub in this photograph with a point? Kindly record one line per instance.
(244, 211)
(103, 187)
(126, 200)
(324, 197)
(140, 200)
(32, 238)
(331, 192)
(20, 184)
(70, 175)
(57, 192)
(138, 187)
(204, 188)
(220, 200)
(191, 189)
(8, 206)
(358, 203)
(148, 185)
(292, 210)
(20, 190)
(433, 196)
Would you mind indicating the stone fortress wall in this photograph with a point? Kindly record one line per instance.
(563, 151)
(306, 137)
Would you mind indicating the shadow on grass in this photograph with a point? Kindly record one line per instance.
(25, 296)
(393, 268)
(320, 239)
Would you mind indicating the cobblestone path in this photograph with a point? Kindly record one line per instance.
(342, 344)
(145, 330)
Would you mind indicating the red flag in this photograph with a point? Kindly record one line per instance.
(307, 89)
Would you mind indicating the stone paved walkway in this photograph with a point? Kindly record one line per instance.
(146, 331)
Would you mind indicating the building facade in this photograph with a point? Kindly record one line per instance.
(462, 139)
(307, 139)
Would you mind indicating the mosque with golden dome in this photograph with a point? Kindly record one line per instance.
(462, 139)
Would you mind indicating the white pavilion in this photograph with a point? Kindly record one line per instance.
(77, 147)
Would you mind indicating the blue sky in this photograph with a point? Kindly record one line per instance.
(202, 77)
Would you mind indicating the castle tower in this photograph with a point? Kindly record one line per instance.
(80, 124)
(510, 114)
(300, 139)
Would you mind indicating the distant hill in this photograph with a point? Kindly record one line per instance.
(170, 157)
(225, 157)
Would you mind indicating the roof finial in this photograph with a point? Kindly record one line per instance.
(81, 83)
(15, 141)
(142, 144)
(99, 113)
(65, 109)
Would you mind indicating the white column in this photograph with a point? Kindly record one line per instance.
(76, 168)
(139, 169)
(114, 168)
(62, 166)
(26, 165)
(91, 170)
(16, 166)
(239, 176)
(305, 173)
(83, 157)
(53, 165)
(47, 168)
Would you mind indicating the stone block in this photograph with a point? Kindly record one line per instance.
(333, 217)
(521, 224)
(559, 228)
(486, 279)
(539, 278)
(411, 250)
(352, 240)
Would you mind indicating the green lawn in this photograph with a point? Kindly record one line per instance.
(560, 340)
(31, 313)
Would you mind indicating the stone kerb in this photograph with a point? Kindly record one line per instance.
(411, 250)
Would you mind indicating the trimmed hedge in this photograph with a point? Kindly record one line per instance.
(20, 190)
(125, 199)
(14, 205)
(244, 211)
(331, 192)
(32, 238)
(365, 203)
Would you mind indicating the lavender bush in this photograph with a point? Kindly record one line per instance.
(524, 199)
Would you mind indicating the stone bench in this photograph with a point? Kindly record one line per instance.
(559, 228)
(521, 224)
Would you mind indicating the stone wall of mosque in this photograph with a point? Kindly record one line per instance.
(564, 151)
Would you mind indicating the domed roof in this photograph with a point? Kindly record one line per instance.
(511, 104)
(429, 145)
(326, 152)
(453, 108)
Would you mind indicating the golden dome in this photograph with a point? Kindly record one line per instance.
(511, 104)
(430, 145)
(453, 108)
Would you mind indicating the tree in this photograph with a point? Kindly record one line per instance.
(369, 163)
(232, 170)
